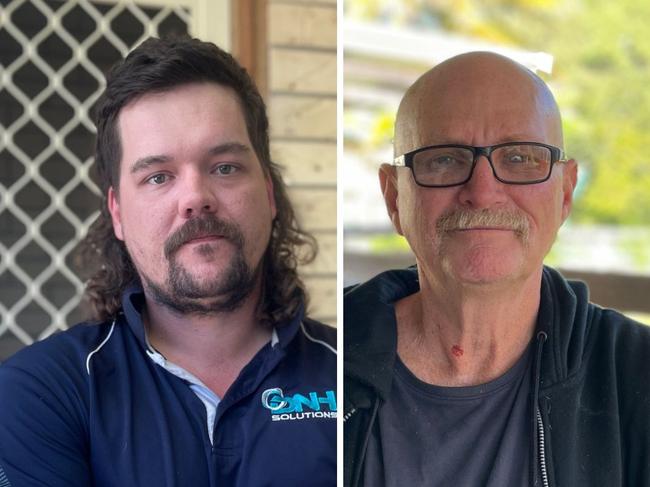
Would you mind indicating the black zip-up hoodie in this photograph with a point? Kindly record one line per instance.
(591, 426)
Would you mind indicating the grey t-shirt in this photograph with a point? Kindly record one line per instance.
(429, 435)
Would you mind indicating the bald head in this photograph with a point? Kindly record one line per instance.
(478, 98)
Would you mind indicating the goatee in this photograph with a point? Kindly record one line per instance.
(184, 293)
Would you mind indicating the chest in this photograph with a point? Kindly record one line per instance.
(154, 430)
(433, 436)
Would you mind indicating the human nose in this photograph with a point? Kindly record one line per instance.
(483, 190)
(196, 197)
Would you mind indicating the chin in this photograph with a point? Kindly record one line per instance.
(484, 267)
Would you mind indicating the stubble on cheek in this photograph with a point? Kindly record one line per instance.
(146, 260)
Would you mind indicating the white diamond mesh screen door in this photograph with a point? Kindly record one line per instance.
(53, 56)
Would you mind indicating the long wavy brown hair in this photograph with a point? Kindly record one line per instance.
(159, 65)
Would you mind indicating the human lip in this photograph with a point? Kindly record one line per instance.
(500, 229)
(204, 238)
(483, 229)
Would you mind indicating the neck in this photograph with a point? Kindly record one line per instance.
(214, 347)
(466, 335)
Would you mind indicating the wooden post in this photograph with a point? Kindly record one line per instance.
(249, 43)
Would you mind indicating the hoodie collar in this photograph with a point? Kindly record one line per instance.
(370, 329)
(565, 316)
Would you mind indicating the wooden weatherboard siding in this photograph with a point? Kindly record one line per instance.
(301, 94)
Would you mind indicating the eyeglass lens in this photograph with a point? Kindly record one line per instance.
(517, 163)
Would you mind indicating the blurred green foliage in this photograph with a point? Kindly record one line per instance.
(600, 77)
(388, 243)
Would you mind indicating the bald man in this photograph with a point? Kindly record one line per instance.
(479, 366)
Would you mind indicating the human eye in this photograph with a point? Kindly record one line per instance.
(518, 156)
(225, 169)
(157, 179)
(444, 159)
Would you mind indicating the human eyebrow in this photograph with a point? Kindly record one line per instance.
(229, 148)
(145, 162)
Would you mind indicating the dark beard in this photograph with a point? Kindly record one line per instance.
(184, 295)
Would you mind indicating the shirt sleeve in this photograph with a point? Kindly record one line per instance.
(43, 437)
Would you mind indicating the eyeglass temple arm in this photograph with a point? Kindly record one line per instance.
(400, 161)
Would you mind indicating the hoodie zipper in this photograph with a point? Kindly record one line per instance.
(349, 414)
(539, 445)
(356, 474)
(542, 449)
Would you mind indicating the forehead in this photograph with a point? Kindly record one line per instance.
(184, 120)
(205, 101)
(477, 105)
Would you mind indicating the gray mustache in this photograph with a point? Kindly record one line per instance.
(462, 219)
(200, 227)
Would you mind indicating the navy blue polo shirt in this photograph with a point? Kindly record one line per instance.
(96, 405)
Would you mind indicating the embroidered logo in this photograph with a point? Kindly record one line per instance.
(299, 406)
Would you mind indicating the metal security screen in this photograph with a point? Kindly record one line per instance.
(53, 56)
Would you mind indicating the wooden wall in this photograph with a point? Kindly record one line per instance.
(290, 48)
(301, 88)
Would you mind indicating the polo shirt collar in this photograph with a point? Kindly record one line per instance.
(133, 302)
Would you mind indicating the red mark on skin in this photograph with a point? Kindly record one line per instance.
(457, 351)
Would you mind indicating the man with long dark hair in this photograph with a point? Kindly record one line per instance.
(201, 367)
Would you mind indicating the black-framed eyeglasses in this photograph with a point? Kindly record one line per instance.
(440, 166)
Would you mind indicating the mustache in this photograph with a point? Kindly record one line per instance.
(202, 227)
(463, 218)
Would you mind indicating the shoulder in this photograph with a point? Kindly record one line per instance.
(319, 333)
(588, 334)
(60, 365)
(311, 355)
(46, 407)
(317, 337)
(65, 352)
(618, 337)
(54, 370)
(617, 361)
(614, 362)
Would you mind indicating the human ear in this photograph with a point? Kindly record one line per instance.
(388, 184)
(569, 181)
(114, 210)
